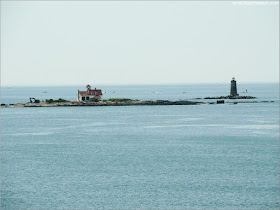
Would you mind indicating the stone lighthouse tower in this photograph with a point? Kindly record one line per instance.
(233, 88)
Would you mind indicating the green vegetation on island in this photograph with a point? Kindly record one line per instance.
(56, 101)
(121, 99)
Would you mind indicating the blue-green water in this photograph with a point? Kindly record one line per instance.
(141, 157)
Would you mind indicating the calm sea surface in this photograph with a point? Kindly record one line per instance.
(141, 157)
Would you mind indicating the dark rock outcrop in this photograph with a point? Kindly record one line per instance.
(231, 97)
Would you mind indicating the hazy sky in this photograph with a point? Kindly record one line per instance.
(157, 42)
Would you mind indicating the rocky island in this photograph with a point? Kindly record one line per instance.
(229, 97)
(233, 93)
(110, 102)
(117, 102)
(93, 97)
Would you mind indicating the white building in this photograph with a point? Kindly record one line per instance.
(90, 95)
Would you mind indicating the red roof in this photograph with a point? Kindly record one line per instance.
(95, 92)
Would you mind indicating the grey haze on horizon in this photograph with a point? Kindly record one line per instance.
(137, 42)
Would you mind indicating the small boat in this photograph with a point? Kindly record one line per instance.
(44, 91)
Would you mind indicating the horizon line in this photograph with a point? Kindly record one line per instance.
(138, 84)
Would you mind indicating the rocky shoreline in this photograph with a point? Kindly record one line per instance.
(121, 103)
(229, 97)
(104, 103)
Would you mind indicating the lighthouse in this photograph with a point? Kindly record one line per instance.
(233, 88)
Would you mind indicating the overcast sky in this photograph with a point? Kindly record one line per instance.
(158, 42)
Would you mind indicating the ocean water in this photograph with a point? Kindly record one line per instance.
(141, 157)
